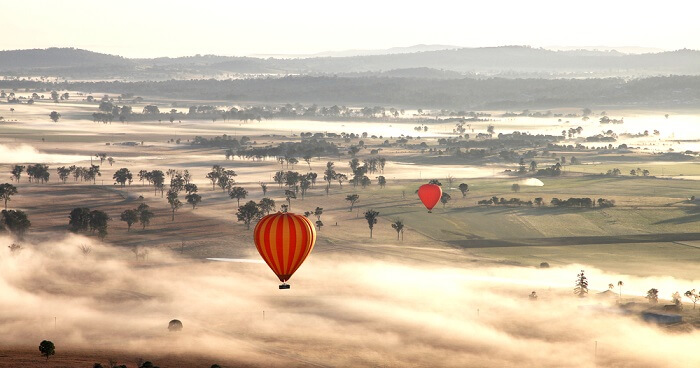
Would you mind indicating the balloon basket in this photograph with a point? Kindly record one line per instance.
(285, 286)
(429, 211)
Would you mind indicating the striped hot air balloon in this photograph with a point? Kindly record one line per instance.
(284, 240)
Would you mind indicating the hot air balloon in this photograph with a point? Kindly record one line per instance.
(430, 195)
(284, 240)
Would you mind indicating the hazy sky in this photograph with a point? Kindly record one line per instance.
(138, 28)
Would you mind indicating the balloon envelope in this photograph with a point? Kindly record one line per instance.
(430, 195)
(284, 240)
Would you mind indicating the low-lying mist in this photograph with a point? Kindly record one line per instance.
(342, 310)
(24, 153)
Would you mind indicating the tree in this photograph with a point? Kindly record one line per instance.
(6, 191)
(214, 175)
(581, 288)
(193, 199)
(289, 195)
(464, 188)
(63, 173)
(266, 205)
(130, 217)
(17, 172)
(174, 202)
(54, 116)
(340, 178)
(693, 296)
(676, 298)
(238, 193)
(352, 198)
(110, 160)
(329, 173)
(307, 159)
(279, 178)
(145, 215)
(54, 96)
(444, 199)
(304, 185)
(398, 226)
(620, 284)
(371, 217)
(381, 180)
(15, 221)
(122, 176)
(98, 221)
(79, 219)
(47, 349)
(653, 296)
(318, 212)
(515, 187)
(263, 186)
(248, 212)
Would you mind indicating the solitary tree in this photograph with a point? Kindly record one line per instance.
(6, 191)
(47, 349)
(263, 186)
(130, 217)
(444, 199)
(174, 202)
(620, 284)
(352, 198)
(248, 212)
(653, 296)
(515, 188)
(676, 298)
(693, 295)
(122, 176)
(398, 226)
(581, 288)
(371, 217)
(381, 180)
(54, 116)
(464, 188)
(238, 193)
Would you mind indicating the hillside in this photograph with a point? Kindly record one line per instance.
(55, 58)
(505, 61)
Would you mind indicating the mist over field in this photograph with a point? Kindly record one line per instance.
(372, 312)
(21, 153)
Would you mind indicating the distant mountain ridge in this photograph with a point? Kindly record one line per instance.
(507, 61)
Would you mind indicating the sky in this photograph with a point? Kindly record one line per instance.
(137, 28)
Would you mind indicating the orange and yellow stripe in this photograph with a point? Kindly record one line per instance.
(284, 240)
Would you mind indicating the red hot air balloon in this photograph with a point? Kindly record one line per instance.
(430, 195)
(284, 240)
